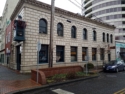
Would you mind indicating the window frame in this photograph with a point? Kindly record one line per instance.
(85, 34)
(84, 50)
(102, 53)
(44, 50)
(107, 38)
(94, 35)
(111, 38)
(73, 52)
(61, 50)
(94, 52)
(43, 27)
(103, 38)
(73, 32)
(60, 30)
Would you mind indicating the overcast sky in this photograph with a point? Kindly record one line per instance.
(64, 4)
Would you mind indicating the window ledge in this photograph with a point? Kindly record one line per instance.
(85, 40)
(60, 36)
(59, 62)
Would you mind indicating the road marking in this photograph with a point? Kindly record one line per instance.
(120, 91)
(111, 75)
(60, 91)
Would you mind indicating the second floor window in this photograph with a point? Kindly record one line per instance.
(85, 34)
(94, 35)
(107, 37)
(111, 38)
(103, 37)
(73, 32)
(60, 29)
(43, 26)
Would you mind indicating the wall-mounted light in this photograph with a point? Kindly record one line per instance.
(93, 28)
(69, 21)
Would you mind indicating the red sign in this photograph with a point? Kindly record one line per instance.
(8, 38)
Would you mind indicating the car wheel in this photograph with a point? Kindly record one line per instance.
(117, 70)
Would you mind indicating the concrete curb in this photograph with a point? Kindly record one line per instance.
(49, 85)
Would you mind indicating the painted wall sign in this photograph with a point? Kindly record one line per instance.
(121, 45)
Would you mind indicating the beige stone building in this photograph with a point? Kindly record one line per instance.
(77, 40)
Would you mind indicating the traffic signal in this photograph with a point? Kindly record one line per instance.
(19, 30)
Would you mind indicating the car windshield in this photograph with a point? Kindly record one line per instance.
(112, 62)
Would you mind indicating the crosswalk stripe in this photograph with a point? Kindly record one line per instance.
(60, 91)
(120, 91)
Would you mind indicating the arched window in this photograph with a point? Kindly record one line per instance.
(84, 33)
(111, 38)
(103, 38)
(73, 32)
(107, 37)
(43, 26)
(94, 35)
(60, 29)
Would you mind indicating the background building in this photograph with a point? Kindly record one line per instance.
(77, 40)
(108, 11)
(7, 12)
(0, 37)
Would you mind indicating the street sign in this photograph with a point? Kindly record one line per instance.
(38, 46)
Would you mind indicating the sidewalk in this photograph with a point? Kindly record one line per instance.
(11, 80)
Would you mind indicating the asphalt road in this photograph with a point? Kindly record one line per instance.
(106, 83)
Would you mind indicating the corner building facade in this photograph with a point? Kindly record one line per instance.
(76, 39)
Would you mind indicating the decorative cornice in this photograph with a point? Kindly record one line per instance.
(57, 10)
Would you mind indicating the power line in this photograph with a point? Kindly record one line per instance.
(75, 4)
(78, 2)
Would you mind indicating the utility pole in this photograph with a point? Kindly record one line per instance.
(51, 34)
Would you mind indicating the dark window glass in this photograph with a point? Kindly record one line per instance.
(107, 37)
(111, 38)
(103, 37)
(122, 1)
(73, 54)
(59, 53)
(73, 32)
(60, 29)
(43, 26)
(93, 53)
(102, 53)
(84, 54)
(84, 33)
(43, 54)
(123, 22)
(94, 35)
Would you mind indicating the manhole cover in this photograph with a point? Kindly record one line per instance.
(111, 75)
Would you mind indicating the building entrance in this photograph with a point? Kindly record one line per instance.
(18, 57)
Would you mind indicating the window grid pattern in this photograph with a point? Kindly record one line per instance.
(94, 35)
(73, 32)
(60, 29)
(85, 34)
(43, 26)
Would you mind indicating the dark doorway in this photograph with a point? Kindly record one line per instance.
(7, 59)
(109, 57)
(18, 57)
